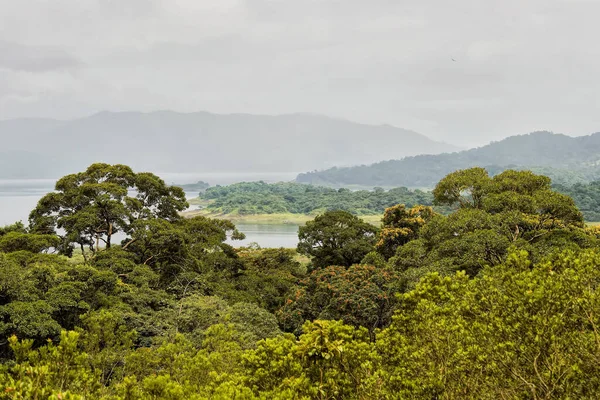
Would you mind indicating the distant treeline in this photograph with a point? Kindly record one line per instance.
(248, 198)
(262, 198)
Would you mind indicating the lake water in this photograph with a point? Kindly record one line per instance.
(19, 197)
(268, 235)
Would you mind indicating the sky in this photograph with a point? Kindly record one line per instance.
(464, 71)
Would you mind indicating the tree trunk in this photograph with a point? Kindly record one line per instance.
(108, 235)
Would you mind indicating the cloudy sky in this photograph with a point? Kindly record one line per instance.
(521, 65)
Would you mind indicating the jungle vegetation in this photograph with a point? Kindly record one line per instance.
(256, 198)
(498, 299)
(248, 198)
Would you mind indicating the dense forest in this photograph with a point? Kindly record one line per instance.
(264, 198)
(248, 198)
(498, 299)
(567, 160)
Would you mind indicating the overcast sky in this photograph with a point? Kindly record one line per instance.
(521, 65)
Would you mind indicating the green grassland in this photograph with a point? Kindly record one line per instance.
(272, 219)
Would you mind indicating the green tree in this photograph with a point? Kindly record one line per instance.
(400, 226)
(329, 360)
(515, 209)
(361, 295)
(92, 206)
(336, 238)
(517, 332)
(464, 187)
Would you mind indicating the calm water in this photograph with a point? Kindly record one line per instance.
(274, 235)
(19, 197)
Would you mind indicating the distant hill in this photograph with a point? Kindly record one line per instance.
(167, 141)
(566, 159)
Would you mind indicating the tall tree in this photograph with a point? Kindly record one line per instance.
(336, 238)
(401, 225)
(90, 207)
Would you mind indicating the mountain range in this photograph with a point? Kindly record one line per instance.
(166, 141)
(567, 160)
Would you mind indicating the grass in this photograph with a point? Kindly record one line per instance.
(272, 219)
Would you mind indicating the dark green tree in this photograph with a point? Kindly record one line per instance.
(89, 207)
(401, 225)
(362, 295)
(336, 238)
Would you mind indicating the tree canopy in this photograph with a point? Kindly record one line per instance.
(336, 238)
(92, 206)
(498, 299)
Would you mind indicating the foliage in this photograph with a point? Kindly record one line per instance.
(514, 209)
(516, 332)
(94, 205)
(399, 226)
(499, 299)
(360, 295)
(264, 198)
(336, 238)
(586, 196)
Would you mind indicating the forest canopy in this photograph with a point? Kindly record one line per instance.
(250, 198)
(498, 299)
(264, 198)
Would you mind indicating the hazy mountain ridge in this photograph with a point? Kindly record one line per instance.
(188, 142)
(565, 159)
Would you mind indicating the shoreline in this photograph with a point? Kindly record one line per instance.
(269, 219)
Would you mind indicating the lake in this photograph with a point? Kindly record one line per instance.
(19, 196)
(268, 235)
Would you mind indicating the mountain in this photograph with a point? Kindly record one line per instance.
(566, 159)
(167, 141)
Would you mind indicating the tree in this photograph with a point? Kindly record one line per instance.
(400, 226)
(515, 209)
(336, 238)
(465, 187)
(361, 295)
(92, 206)
(16, 237)
(509, 191)
(329, 360)
(519, 331)
(34, 243)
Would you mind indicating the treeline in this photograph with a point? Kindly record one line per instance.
(249, 198)
(499, 299)
(264, 198)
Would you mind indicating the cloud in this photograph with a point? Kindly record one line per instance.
(19, 57)
(520, 64)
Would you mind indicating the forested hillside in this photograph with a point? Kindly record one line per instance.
(565, 159)
(499, 299)
(201, 142)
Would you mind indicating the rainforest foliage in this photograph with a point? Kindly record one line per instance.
(264, 198)
(498, 299)
(250, 198)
